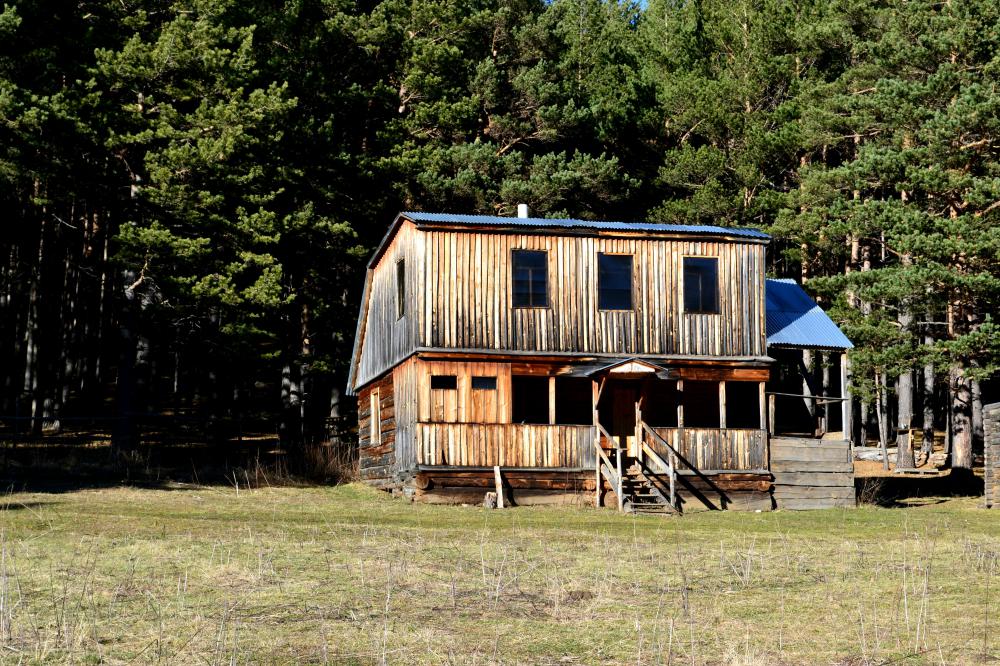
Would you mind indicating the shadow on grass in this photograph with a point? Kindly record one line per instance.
(67, 464)
(901, 491)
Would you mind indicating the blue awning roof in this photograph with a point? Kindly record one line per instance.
(599, 225)
(794, 320)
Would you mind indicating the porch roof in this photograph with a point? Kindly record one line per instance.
(794, 320)
(628, 365)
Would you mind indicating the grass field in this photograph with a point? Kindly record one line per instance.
(348, 575)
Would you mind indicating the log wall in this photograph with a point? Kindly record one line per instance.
(991, 423)
(812, 473)
(377, 459)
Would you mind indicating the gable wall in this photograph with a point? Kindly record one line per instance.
(387, 339)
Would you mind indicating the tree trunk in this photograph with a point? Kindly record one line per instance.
(961, 420)
(927, 446)
(904, 418)
(883, 419)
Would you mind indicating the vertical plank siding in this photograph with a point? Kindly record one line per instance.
(717, 449)
(505, 444)
(469, 303)
(388, 339)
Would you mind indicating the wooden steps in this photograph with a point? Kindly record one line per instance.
(812, 473)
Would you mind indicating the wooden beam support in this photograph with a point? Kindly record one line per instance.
(680, 403)
(846, 415)
(722, 405)
(552, 400)
(762, 405)
(498, 480)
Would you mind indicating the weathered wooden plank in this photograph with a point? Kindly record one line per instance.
(812, 504)
(814, 479)
(804, 454)
(784, 465)
(814, 492)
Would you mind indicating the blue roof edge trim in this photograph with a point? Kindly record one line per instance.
(795, 320)
(570, 223)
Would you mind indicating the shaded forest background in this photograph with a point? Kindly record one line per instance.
(190, 190)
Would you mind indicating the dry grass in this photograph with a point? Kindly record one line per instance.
(347, 575)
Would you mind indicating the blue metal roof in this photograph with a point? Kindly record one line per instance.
(600, 225)
(794, 320)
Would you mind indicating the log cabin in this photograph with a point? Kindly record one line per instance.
(554, 360)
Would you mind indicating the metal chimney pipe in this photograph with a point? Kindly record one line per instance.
(522, 210)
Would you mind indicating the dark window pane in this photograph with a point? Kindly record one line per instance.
(742, 405)
(659, 403)
(484, 383)
(574, 398)
(447, 382)
(614, 280)
(701, 404)
(529, 399)
(701, 284)
(400, 288)
(530, 279)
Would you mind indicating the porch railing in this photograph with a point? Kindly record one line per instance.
(716, 449)
(506, 445)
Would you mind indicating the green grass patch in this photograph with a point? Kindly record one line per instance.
(348, 575)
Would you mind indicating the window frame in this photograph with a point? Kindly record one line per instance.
(684, 286)
(531, 305)
(631, 290)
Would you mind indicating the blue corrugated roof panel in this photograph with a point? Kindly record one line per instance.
(794, 320)
(600, 225)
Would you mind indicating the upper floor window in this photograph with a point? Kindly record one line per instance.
(701, 285)
(530, 279)
(400, 289)
(614, 281)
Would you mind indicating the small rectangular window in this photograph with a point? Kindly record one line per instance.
(701, 285)
(614, 281)
(444, 382)
(529, 274)
(400, 289)
(484, 383)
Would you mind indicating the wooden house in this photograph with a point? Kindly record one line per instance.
(561, 360)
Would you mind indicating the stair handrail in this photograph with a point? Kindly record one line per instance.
(668, 468)
(618, 480)
(678, 457)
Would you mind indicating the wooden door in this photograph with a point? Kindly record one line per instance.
(617, 411)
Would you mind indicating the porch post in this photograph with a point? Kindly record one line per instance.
(552, 400)
(762, 404)
(722, 405)
(596, 438)
(680, 403)
(846, 405)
